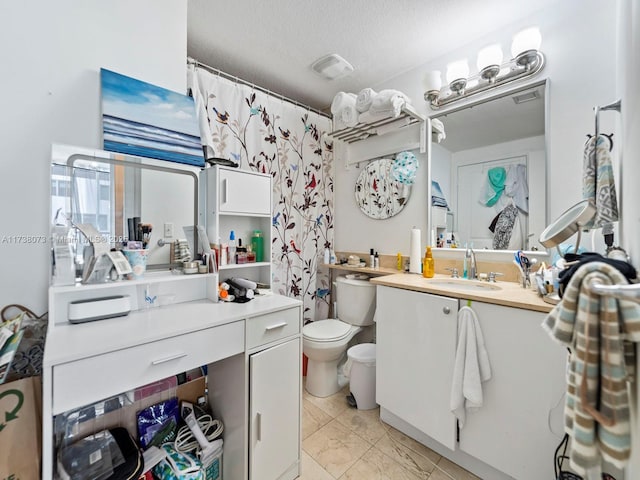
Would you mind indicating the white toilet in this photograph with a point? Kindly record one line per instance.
(325, 341)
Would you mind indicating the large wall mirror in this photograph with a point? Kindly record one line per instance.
(488, 173)
(105, 189)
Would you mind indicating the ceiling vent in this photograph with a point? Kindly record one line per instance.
(332, 66)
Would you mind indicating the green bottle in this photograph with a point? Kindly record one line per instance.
(257, 245)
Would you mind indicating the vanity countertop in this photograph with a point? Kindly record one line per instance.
(510, 294)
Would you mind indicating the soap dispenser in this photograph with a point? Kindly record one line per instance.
(428, 266)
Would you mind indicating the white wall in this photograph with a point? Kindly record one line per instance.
(579, 41)
(628, 73)
(50, 92)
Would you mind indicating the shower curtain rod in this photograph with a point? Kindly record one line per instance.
(235, 79)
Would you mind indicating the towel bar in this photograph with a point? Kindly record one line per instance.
(621, 292)
(612, 106)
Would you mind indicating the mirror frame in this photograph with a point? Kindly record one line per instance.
(124, 162)
(488, 98)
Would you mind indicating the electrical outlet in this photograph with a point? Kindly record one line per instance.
(168, 230)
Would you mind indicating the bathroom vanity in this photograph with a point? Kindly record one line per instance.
(252, 352)
(515, 432)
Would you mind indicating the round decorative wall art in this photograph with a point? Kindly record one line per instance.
(378, 194)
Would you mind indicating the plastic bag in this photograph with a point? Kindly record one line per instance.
(177, 465)
(158, 423)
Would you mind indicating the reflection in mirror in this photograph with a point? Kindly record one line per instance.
(106, 189)
(488, 173)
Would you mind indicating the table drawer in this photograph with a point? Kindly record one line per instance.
(85, 381)
(272, 326)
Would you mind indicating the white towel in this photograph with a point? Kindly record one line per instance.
(368, 117)
(340, 100)
(364, 99)
(388, 103)
(437, 130)
(344, 111)
(348, 114)
(471, 366)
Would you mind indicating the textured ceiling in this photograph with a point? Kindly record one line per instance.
(273, 43)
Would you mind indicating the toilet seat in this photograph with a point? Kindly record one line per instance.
(329, 330)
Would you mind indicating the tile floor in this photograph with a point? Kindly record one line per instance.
(340, 442)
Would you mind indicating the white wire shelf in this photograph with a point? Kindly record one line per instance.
(362, 131)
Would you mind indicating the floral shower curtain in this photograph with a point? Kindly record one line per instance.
(266, 134)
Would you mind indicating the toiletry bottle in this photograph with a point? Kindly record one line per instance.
(241, 253)
(371, 258)
(399, 261)
(327, 256)
(251, 255)
(257, 245)
(332, 254)
(376, 261)
(467, 254)
(232, 247)
(428, 267)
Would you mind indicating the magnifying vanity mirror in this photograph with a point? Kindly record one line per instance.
(488, 172)
(105, 189)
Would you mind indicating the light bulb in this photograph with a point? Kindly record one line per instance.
(527, 39)
(433, 81)
(457, 70)
(488, 56)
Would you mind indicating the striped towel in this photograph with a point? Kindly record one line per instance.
(598, 183)
(598, 330)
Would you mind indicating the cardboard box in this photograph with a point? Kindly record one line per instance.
(20, 429)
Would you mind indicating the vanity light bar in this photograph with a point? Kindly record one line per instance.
(517, 70)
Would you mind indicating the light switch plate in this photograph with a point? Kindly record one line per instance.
(168, 230)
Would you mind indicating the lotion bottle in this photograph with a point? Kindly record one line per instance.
(428, 266)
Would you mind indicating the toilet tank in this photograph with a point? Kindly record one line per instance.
(356, 301)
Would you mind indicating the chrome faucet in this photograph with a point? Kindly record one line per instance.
(471, 258)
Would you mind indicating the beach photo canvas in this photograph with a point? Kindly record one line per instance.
(145, 120)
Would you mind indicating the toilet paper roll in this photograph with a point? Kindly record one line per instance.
(415, 261)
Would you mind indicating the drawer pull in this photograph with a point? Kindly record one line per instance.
(276, 326)
(259, 426)
(168, 359)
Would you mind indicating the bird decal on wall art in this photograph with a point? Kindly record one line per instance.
(275, 222)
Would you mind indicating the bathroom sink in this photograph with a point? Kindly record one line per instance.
(461, 284)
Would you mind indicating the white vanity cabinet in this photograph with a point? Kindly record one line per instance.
(238, 200)
(515, 433)
(416, 343)
(274, 412)
(523, 401)
(269, 418)
(252, 352)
